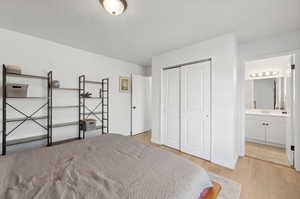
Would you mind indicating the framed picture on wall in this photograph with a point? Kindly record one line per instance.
(124, 84)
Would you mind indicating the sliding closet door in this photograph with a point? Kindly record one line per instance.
(171, 123)
(195, 109)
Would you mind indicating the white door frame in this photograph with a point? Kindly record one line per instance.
(131, 104)
(243, 109)
(162, 97)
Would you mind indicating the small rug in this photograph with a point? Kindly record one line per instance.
(230, 189)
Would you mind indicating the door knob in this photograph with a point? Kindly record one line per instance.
(134, 107)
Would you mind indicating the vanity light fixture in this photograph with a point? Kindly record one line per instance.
(114, 7)
(264, 74)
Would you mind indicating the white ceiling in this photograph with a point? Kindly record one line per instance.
(148, 27)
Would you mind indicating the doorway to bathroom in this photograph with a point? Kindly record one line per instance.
(269, 94)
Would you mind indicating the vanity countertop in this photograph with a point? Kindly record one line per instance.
(275, 113)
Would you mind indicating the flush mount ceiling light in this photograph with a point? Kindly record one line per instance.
(114, 7)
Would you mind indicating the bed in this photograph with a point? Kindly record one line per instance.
(105, 167)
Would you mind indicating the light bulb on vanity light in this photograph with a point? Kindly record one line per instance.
(253, 75)
(260, 74)
(114, 7)
(268, 73)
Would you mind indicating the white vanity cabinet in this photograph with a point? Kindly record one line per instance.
(266, 129)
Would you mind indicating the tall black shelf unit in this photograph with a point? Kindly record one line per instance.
(105, 106)
(68, 123)
(103, 115)
(27, 117)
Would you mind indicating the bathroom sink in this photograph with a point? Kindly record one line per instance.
(265, 111)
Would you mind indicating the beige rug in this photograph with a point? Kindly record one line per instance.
(230, 189)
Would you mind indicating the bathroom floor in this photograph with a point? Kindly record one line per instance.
(267, 153)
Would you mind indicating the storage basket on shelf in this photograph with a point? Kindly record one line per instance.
(88, 124)
(55, 84)
(16, 90)
(13, 69)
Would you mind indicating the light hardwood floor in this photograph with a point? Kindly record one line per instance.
(259, 179)
(267, 153)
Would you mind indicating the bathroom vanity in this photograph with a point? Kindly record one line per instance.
(266, 115)
(266, 127)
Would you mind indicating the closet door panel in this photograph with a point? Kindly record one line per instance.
(171, 124)
(195, 110)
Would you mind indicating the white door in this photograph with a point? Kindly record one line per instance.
(195, 110)
(171, 107)
(290, 105)
(141, 96)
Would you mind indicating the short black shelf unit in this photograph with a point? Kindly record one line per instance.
(103, 102)
(27, 117)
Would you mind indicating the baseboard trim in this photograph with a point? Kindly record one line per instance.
(229, 165)
(262, 142)
(155, 141)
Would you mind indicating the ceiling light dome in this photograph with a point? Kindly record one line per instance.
(114, 7)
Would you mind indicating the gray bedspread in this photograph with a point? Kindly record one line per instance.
(105, 167)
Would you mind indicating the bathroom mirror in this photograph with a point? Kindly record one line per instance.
(266, 93)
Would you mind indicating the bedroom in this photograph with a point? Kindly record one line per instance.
(147, 41)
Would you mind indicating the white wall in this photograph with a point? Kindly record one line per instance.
(268, 47)
(148, 71)
(223, 51)
(37, 56)
(249, 94)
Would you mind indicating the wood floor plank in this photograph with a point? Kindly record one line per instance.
(268, 153)
(259, 179)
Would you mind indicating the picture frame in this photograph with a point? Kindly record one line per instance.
(124, 84)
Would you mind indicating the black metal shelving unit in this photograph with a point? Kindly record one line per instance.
(27, 117)
(85, 112)
(105, 106)
(69, 123)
